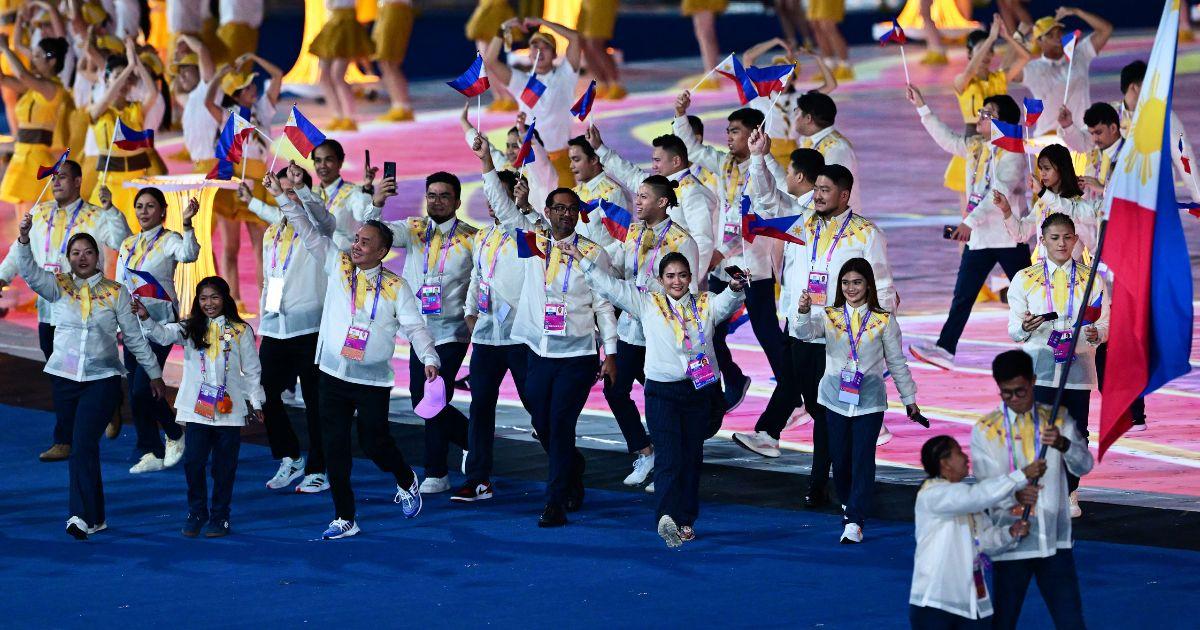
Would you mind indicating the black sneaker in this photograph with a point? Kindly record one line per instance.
(471, 491)
(552, 516)
(216, 528)
(191, 526)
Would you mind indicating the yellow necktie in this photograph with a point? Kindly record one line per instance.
(360, 294)
(1060, 290)
(59, 231)
(1105, 165)
(434, 247)
(856, 318)
(806, 144)
(213, 337)
(85, 301)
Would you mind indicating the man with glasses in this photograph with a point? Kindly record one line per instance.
(1009, 439)
(437, 268)
(991, 171)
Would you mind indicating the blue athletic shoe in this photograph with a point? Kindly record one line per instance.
(191, 527)
(340, 528)
(410, 499)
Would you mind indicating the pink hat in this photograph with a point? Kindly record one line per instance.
(434, 401)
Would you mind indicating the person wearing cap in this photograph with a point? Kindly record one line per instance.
(1046, 76)
(240, 22)
(595, 25)
(339, 43)
(704, 24)
(552, 112)
(391, 33)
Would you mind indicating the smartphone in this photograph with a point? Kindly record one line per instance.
(1049, 317)
(948, 231)
(736, 272)
(368, 156)
(920, 419)
(389, 170)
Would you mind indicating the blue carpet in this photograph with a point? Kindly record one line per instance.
(462, 566)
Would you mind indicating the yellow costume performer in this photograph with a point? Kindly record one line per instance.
(37, 119)
(124, 165)
(342, 37)
(486, 20)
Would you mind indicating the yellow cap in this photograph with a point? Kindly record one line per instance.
(235, 81)
(110, 43)
(543, 37)
(190, 59)
(1045, 25)
(150, 59)
(93, 13)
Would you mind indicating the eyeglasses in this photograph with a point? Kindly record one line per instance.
(986, 114)
(560, 208)
(436, 197)
(1015, 392)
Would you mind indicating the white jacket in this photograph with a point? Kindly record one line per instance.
(287, 260)
(158, 252)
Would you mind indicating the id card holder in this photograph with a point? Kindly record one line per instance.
(851, 385)
(818, 287)
(207, 400)
(732, 231)
(431, 299)
(273, 300)
(701, 372)
(973, 201)
(1060, 343)
(980, 583)
(355, 346)
(555, 323)
(53, 268)
(483, 300)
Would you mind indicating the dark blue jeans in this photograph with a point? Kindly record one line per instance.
(87, 407)
(149, 413)
(449, 425)
(631, 361)
(852, 448)
(678, 417)
(764, 320)
(283, 361)
(926, 618)
(63, 426)
(557, 390)
(973, 271)
(488, 365)
(1077, 403)
(221, 444)
(1056, 579)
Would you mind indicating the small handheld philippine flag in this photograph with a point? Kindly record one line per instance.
(527, 244)
(1068, 43)
(1033, 111)
(1091, 313)
(474, 81)
(779, 227)
(1007, 137)
(49, 171)
(616, 219)
(222, 170)
(525, 154)
(731, 68)
(1187, 164)
(583, 107)
(130, 139)
(770, 79)
(895, 35)
(302, 133)
(149, 288)
(233, 136)
(533, 91)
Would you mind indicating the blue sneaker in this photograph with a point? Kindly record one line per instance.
(410, 499)
(191, 527)
(340, 528)
(216, 528)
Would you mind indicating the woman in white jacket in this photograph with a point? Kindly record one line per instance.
(862, 342)
(954, 536)
(221, 389)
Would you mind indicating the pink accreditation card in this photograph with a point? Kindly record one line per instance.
(355, 347)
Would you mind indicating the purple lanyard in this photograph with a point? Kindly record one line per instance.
(570, 262)
(850, 332)
(495, 252)
(67, 234)
(445, 246)
(832, 246)
(1008, 432)
(204, 359)
(145, 252)
(637, 248)
(275, 250)
(1050, 294)
(354, 295)
(329, 203)
(687, 339)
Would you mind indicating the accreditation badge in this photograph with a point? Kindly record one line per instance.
(355, 346)
(431, 299)
(555, 322)
(273, 300)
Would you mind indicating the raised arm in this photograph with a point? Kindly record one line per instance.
(945, 137)
(321, 245)
(210, 97)
(41, 281)
(574, 51)
(976, 62)
(1017, 56)
(186, 249)
(507, 212)
(698, 153)
(274, 75)
(262, 210)
(961, 499)
(496, 67)
(203, 56)
(111, 228)
(1102, 28)
(134, 341)
(829, 82)
(625, 172)
(21, 78)
(106, 101)
(723, 305)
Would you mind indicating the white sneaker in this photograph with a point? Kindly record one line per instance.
(650, 487)
(1137, 428)
(289, 471)
(1076, 511)
(97, 528)
(642, 467)
(312, 484)
(759, 442)
(884, 436)
(77, 529)
(174, 452)
(669, 531)
(148, 463)
(799, 418)
(464, 462)
(852, 534)
(434, 485)
(933, 354)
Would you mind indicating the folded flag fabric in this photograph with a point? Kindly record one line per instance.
(533, 91)
(895, 35)
(527, 244)
(738, 318)
(770, 79)
(149, 287)
(474, 81)
(49, 171)
(233, 137)
(1091, 312)
(222, 170)
(1192, 207)
(525, 153)
(1033, 111)
(1007, 137)
(1068, 43)
(583, 106)
(130, 139)
(1187, 164)
(731, 68)
(302, 133)
(616, 219)
(779, 227)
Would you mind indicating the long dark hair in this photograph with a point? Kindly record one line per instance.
(863, 268)
(196, 325)
(1060, 158)
(934, 451)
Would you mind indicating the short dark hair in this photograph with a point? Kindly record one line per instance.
(385, 233)
(1134, 72)
(934, 450)
(672, 257)
(334, 146)
(672, 145)
(154, 193)
(55, 48)
(115, 62)
(562, 191)
(72, 168)
(839, 175)
(508, 178)
(809, 163)
(1006, 108)
(83, 236)
(1101, 114)
(584, 145)
(1057, 218)
(696, 124)
(974, 38)
(750, 117)
(442, 177)
(820, 106)
(1012, 364)
(306, 178)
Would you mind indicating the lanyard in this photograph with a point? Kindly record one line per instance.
(833, 245)
(854, 340)
(354, 295)
(275, 250)
(687, 339)
(1008, 432)
(329, 203)
(495, 252)
(62, 248)
(1050, 294)
(989, 168)
(570, 262)
(145, 252)
(730, 170)
(445, 245)
(637, 248)
(226, 331)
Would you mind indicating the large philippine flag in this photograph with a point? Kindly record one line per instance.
(1150, 335)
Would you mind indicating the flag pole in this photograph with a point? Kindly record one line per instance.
(1066, 370)
(104, 177)
(703, 79)
(274, 153)
(904, 60)
(786, 78)
(43, 193)
(1067, 85)
(479, 112)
